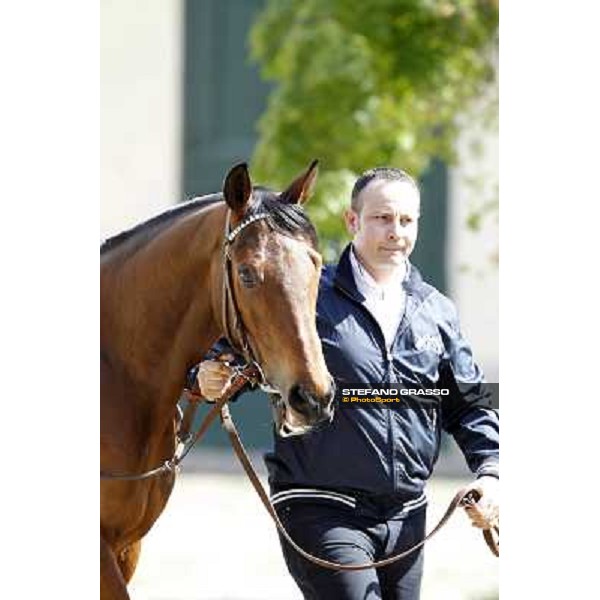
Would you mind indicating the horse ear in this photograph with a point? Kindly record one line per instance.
(300, 189)
(237, 188)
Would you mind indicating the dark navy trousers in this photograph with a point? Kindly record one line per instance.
(353, 536)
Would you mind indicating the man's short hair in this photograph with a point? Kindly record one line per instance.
(379, 173)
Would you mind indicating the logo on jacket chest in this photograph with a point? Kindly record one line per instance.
(433, 343)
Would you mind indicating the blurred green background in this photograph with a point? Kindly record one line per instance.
(355, 85)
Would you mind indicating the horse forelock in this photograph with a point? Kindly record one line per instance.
(287, 219)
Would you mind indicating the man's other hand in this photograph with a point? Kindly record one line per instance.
(485, 513)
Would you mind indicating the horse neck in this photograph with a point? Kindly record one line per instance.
(157, 305)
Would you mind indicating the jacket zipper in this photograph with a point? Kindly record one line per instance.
(387, 357)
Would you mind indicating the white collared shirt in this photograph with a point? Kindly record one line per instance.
(385, 302)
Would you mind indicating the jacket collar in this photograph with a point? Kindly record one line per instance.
(344, 277)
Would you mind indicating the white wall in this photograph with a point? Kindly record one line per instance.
(472, 263)
(141, 80)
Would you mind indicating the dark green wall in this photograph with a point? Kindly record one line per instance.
(429, 253)
(252, 414)
(223, 94)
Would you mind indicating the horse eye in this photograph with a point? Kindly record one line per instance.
(247, 275)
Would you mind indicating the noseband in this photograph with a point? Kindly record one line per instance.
(236, 328)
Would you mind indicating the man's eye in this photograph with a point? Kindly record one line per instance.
(248, 276)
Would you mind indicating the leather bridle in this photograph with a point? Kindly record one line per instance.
(229, 303)
(250, 373)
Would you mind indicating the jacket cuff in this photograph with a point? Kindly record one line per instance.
(489, 469)
(191, 382)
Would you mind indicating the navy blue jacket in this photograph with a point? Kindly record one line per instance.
(390, 449)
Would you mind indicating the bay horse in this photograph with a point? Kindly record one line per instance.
(163, 289)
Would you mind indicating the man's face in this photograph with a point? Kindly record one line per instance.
(386, 225)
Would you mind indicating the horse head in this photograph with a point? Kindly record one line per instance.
(272, 267)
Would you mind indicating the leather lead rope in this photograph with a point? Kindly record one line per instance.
(184, 432)
(461, 497)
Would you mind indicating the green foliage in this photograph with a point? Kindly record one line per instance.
(360, 84)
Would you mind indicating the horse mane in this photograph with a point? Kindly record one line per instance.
(162, 219)
(287, 219)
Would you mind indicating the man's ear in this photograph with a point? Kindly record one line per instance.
(237, 189)
(352, 221)
(298, 192)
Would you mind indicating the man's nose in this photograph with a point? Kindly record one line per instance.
(395, 230)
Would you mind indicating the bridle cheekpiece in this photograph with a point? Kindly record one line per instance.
(229, 303)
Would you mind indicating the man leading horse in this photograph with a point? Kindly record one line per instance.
(353, 491)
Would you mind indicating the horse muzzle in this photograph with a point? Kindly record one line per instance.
(303, 411)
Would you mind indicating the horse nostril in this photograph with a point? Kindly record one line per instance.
(300, 400)
(309, 405)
